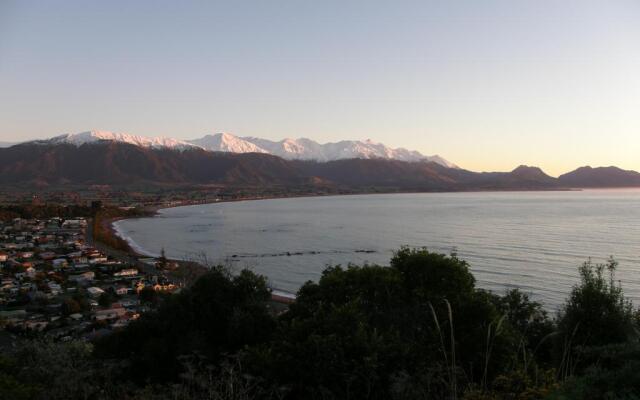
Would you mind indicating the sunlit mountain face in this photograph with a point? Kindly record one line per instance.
(290, 149)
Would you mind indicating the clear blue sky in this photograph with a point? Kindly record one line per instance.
(486, 84)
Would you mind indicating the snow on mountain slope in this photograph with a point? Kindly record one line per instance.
(292, 149)
(439, 160)
(227, 142)
(307, 149)
(142, 141)
(368, 149)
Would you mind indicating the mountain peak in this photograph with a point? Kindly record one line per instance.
(289, 148)
(95, 136)
(600, 177)
(307, 149)
(527, 168)
(226, 142)
(531, 173)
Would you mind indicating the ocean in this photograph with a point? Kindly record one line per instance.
(530, 240)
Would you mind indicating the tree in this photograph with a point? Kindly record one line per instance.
(220, 314)
(432, 276)
(162, 261)
(417, 328)
(47, 370)
(70, 306)
(597, 313)
(148, 295)
(106, 299)
(530, 322)
(612, 373)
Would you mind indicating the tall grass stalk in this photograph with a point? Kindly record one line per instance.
(450, 367)
(489, 348)
(566, 365)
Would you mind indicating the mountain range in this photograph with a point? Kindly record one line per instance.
(165, 162)
(290, 149)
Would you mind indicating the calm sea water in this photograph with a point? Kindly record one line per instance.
(531, 240)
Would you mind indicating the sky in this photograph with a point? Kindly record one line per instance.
(488, 85)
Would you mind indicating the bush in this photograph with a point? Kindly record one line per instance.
(597, 312)
(47, 370)
(418, 328)
(612, 373)
(219, 314)
(531, 323)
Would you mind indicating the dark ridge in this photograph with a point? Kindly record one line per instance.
(112, 163)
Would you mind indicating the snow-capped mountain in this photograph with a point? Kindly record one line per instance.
(227, 143)
(307, 149)
(300, 149)
(291, 149)
(142, 141)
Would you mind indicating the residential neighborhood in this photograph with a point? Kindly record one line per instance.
(55, 283)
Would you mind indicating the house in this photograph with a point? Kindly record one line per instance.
(35, 325)
(48, 255)
(130, 303)
(60, 263)
(126, 272)
(150, 262)
(111, 313)
(122, 290)
(54, 288)
(94, 291)
(9, 287)
(76, 316)
(55, 255)
(30, 272)
(121, 323)
(13, 317)
(80, 260)
(83, 277)
(139, 286)
(74, 223)
(170, 287)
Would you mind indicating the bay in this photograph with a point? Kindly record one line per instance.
(531, 240)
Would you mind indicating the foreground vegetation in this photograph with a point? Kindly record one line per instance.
(419, 329)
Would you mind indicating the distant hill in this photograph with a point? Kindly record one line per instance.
(116, 163)
(602, 177)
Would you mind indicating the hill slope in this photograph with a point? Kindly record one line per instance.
(600, 177)
(117, 163)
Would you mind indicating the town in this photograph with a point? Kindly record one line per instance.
(55, 283)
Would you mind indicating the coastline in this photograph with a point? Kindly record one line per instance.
(191, 268)
(285, 205)
(155, 208)
(136, 250)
